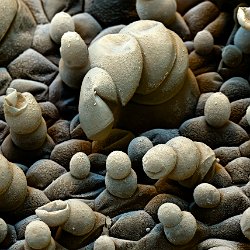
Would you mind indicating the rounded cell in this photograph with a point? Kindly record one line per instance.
(79, 165)
(217, 110)
(159, 161)
(206, 195)
(203, 42)
(118, 165)
(188, 158)
(60, 24)
(104, 242)
(37, 235)
(169, 214)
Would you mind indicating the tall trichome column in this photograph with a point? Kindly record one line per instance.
(23, 114)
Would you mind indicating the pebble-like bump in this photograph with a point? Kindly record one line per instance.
(206, 195)
(159, 161)
(217, 110)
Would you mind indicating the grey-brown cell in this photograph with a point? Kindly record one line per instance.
(63, 151)
(5, 80)
(59, 131)
(106, 203)
(194, 20)
(67, 186)
(132, 225)
(231, 55)
(37, 89)
(50, 112)
(109, 30)
(231, 134)
(137, 149)
(112, 12)
(153, 205)
(209, 82)
(37, 11)
(180, 27)
(218, 26)
(184, 5)
(236, 88)
(41, 69)
(160, 10)
(201, 103)
(15, 38)
(238, 109)
(86, 26)
(227, 154)
(43, 172)
(239, 170)
(160, 136)
(42, 41)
